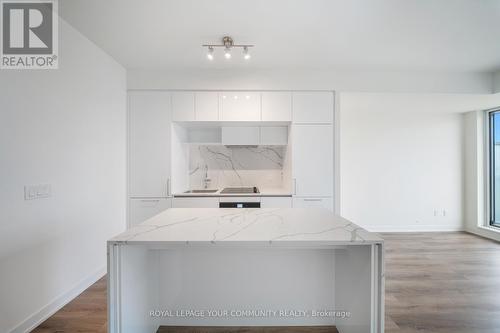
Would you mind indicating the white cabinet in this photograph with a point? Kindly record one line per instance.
(206, 106)
(312, 107)
(254, 136)
(191, 106)
(142, 209)
(276, 202)
(276, 106)
(274, 135)
(196, 202)
(241, 136)
(149, 144)
(301, 107)
(312, 160)
(183, 106)
(313, 202)
(240, 106)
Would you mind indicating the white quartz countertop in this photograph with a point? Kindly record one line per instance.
(247, 227)
(266, 192)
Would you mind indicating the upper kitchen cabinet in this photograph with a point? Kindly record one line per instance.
(274, 136)
(276, 106)
(240, 106)
(241, 136)
(312, 107)
(206, 106)
(149, 144)
(183, 106)
(312, 160)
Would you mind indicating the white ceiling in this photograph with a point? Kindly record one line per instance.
(430, 35)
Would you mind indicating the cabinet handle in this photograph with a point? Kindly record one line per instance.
(313, 199)
(150, 200)
(168, 187)
(295, 186)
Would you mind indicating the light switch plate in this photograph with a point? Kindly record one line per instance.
(39, 191)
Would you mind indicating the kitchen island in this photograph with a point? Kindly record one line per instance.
(246, 267)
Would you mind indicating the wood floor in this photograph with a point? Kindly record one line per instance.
(292, 329)
(442, 283)
(435, 283)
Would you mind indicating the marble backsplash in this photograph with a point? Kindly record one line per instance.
(260, 166)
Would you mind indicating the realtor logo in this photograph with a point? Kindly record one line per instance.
(29, 34)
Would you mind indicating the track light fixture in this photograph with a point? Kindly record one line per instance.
(228, 45)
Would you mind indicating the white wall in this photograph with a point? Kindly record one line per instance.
(320, 79)
(63, 127)
(496, 82)
(399, 166)
(401, 160)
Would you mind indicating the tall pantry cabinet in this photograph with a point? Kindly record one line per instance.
(149, 131)
(313, 149)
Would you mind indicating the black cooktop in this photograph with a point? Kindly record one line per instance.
(239, 190)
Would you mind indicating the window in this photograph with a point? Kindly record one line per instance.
(494, 167)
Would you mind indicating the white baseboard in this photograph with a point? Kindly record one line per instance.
(48, 310)
(486, 232)
(415, 228)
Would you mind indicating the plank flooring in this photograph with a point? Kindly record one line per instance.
(284, 329)
(85, 314)
(435, 283)
(442, 283)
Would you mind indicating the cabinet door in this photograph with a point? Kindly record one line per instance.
(183, 106)
(312, 107)
(207, 106)
(149, 144)
(274, 135)
(276, 106)
(313, 202)
(240, 106)
(196, 202)
(312, 160)
(142, 209)
(276, 202)
(241, 136)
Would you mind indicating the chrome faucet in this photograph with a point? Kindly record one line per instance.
(206, 180)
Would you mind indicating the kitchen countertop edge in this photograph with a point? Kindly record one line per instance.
(262, 193)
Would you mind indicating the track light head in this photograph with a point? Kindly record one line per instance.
(227, 53)
(246, 54)
(210, 53)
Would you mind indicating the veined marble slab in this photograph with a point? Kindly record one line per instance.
(247, 227)
(260, 166)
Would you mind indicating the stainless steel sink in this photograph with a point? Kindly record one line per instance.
(201, 191)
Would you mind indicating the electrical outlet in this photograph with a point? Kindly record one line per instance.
(32, 192)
